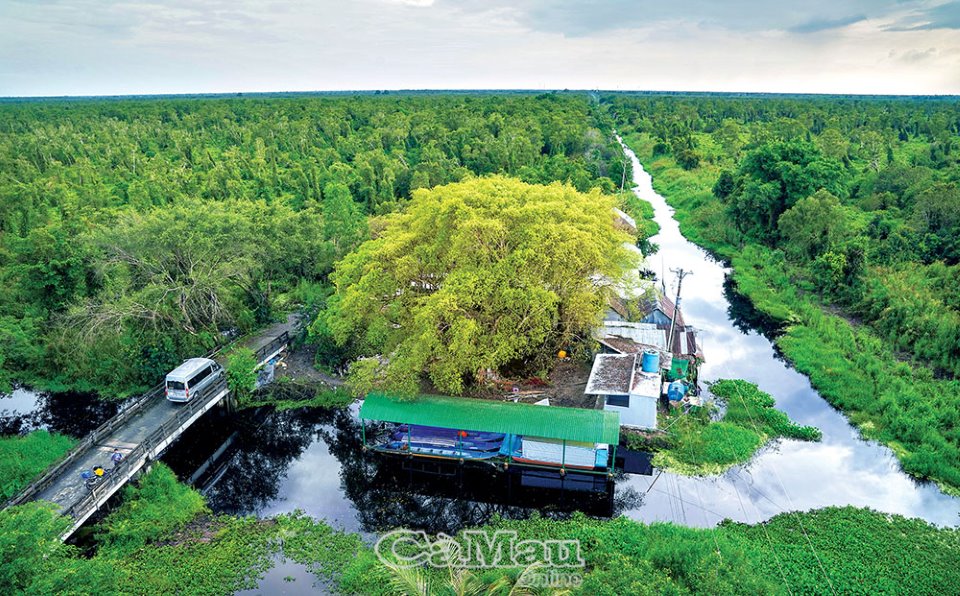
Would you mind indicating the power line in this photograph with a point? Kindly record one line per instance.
(783, 487)
(766, 534)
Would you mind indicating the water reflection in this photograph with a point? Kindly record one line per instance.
(264, 462)
(313, 460)
(744, 316)
(789, 475)
(72, 413)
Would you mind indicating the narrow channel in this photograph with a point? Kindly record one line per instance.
(842, 469)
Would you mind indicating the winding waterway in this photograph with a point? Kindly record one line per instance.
(842, 469)
(266, 462)
(313, 460)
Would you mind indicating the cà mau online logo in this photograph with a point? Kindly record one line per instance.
(476, 549)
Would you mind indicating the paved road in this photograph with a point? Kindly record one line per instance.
(69, 487)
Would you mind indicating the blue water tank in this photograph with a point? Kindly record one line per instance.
(676, 390)
(650, 363)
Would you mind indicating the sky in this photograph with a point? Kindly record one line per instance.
(118, 47)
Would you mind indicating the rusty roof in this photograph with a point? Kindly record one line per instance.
(612, 374)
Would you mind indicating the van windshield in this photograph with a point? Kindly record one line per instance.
(176, 385)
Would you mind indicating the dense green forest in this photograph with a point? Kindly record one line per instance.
(134, 233)
(841, 217)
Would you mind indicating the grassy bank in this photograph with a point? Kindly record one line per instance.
(23, 458)
(899, 404)
(164, 540)
(695, 444)
(642, 213)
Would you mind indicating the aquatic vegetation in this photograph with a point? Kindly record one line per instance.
(856, 366)
(160, 541)
(695, 444)
(834, 550)
(147, 547)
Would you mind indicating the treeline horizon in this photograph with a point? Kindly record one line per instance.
(841, 220)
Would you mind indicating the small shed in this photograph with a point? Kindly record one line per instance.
(625, 389)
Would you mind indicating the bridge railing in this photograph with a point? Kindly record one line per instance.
(133, 460)
(129, 410)
(277, 343)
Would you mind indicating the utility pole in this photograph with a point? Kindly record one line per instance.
(680, 273)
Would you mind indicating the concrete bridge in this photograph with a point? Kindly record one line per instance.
(141, 431)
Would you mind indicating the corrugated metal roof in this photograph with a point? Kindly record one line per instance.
(463, 413)
(642, 333)
(621, 345)
(625, 218)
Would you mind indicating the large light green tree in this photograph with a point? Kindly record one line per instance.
(475, 275)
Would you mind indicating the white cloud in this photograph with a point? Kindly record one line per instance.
(168, 46)
(415, 3)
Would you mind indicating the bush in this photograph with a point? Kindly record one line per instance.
(23, 458)
(155, 508)
(695, 444)
(241, 372)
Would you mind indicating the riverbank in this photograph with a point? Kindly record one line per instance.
(885, 398)
(692, 443)
(162, 539)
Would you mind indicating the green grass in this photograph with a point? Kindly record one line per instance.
(642, 212)
(23, 458)
(163, 541)
(156, 507)
(694, 444)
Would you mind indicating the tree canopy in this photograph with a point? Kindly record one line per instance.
(772, 179)
(483, 274)
(825, 207)
(137, 232)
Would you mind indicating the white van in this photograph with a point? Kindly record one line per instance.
(190, 377)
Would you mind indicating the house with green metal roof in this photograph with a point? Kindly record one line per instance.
(502, 433)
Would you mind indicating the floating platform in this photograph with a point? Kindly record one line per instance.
(502, 433)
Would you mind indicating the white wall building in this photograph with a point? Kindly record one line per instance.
(626, 388)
